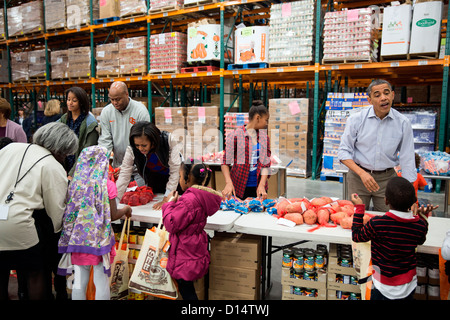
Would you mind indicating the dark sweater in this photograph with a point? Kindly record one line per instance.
(393, 244)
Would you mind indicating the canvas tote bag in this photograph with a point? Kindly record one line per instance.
(119, 268)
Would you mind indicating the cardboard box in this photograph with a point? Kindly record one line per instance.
(287, 294)
(333, 265)
(170, 116)
(55, 14)
(332, 295)
(251, 45)
(202, 112)
(236, 250)
(15, 26)
(33, 17)
(109, 8)
(81, 16)
(214, 294)
(347, 287)
(241, 280)
(203, 43)
(132, 7)
(396, 30)
(426, 27)
(286, 280)
(60, 64)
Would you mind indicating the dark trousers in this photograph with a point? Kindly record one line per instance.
(250, 192)
(375, 294)
(187, 289)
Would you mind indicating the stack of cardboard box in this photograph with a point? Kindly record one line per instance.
(36, 64)
(55, 14)
(202, 124)
(130, 8)
(15, 27)
(19, 66)
(173, 120)
(167, 52)
(80, 62)
(33, 17)
(290, 133)
(235, 268)
(60, 64)
(79, 14)
(109, 9)
(133, 55)
(108, 60)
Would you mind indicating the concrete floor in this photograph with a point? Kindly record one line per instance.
(297, 187)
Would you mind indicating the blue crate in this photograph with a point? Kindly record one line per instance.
(253, 65)
(106, 20)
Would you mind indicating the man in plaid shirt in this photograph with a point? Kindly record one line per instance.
(247, 149)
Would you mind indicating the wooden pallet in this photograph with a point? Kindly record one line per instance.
(289, 64)
(133, 15)
(199, 69)
(166, 9)
(38, 79)
(337, 61)
(57, 29)
(34, 33)
(411, 56)
(133, 74)
(79, 78)
(199, 3)
(106, 20)
(172, 71)
(106, 76)
(21, 81)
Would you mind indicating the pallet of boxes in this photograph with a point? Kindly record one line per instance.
(290, 133)
(235, 268)
(173, 120)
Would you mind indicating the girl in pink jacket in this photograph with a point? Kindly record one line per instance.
(184, 218)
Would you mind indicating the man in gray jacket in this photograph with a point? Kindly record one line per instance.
(116, 120)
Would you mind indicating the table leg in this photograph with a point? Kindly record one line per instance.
(447, 187)
(263, 268)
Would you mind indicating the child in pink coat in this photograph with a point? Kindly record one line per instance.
(184, 218)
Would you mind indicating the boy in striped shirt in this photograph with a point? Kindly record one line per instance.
(394, 238)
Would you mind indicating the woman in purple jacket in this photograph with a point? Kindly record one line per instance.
(184, 218)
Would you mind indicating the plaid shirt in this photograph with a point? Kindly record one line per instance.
(238, 152)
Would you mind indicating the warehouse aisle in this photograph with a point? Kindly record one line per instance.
(297, 187)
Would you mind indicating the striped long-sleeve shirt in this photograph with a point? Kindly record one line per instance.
(393, 244)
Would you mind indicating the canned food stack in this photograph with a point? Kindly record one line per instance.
(60, 64)
(19, 66)
(55, 14)
(428, 277)
(234, 120)
(15, 27)
(235, 268)
(202, 124)
(36, 64)
(292, 30)
(350, 35)
(290, 134)
(108, 62)
(80, 62)
(33, 14)
(303, 274)
(342, 277)
(129, 8)
(167, 52)
(133, 56)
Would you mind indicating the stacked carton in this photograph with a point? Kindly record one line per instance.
(235, 268)
(79, 14)
(55, 14)
(107, 56)
(156, 5)
(290, 133)
(350, 35)
(80, 62)
(19, 66)
(32, 17)
(15, 26)
(36, 64)
(202, 124)
(251, 44)
(173, 120)
(60, 64)
(292, 32)
(133, 55)
(167, 52)
(129, 8)
(109, 8)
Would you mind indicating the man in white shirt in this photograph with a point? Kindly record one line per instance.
(375, 140)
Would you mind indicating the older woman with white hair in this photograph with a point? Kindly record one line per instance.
(33, 179)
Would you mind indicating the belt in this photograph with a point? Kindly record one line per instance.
(375, 171)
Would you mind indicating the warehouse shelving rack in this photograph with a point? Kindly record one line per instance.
(318, 77)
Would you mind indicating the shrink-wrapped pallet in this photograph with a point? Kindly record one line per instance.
(36, 64)
(203, 136)
(19, 66)
(130, 8)
(78, 13)
(60, 64)
(55, 14)
(167, 52)
(15, 27)
(108, 63)
(80, 62)
(133, 55)
(32, 17)
(156, 5)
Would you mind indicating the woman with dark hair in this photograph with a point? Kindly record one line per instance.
(156, 155)
(250, 172)
(81, 121)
